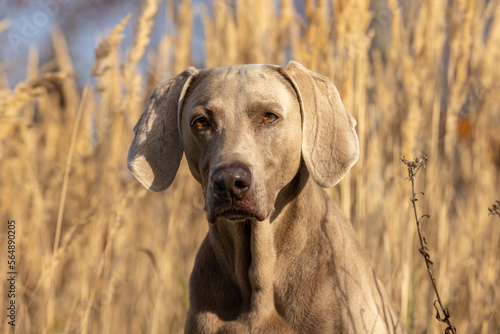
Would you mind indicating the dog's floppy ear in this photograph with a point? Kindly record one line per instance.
(156, 151)
(329, 142)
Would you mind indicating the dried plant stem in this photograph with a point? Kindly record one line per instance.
(413, 167)
(495, 209)
(69, 158)
(62, 202)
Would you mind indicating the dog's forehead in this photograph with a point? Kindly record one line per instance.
(242, 83)
(246, 71)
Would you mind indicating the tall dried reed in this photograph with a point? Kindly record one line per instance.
(120, 257)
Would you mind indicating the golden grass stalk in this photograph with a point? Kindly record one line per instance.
(182, 40)
(106, 45)
(25, 92)
(221, 42)
(76, 126)
(69, 159)
(132, 77)
(143, 35)
(63, 57)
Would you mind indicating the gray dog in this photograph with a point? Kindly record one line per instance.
(279, 257)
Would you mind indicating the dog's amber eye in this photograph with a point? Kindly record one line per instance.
(201, 123)
(270, 117)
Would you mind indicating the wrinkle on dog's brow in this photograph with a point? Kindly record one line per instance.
(213, 107)
(265, 106)
(233, 71)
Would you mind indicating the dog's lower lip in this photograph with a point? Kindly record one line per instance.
(235, 214)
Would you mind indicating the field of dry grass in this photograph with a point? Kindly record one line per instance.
(97, 253)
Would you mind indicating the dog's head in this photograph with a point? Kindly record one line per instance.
(244, 130)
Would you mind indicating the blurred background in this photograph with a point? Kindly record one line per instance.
(97, 253)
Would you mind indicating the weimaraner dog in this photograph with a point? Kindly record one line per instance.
(279, 256)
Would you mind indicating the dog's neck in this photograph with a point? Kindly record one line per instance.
(249, 250)
(231, 244)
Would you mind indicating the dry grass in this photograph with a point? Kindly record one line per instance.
(124, 255)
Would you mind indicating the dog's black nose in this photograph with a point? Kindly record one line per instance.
(231, 182)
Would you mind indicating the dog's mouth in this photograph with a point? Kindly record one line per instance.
(234, 213)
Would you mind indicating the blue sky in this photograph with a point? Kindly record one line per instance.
(84, 23)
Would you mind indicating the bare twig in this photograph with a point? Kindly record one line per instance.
(413, 167)
(495, 209)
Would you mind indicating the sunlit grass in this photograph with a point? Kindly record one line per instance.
(123, 256)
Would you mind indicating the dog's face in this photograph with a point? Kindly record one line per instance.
(244, 130)
(241, 132)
